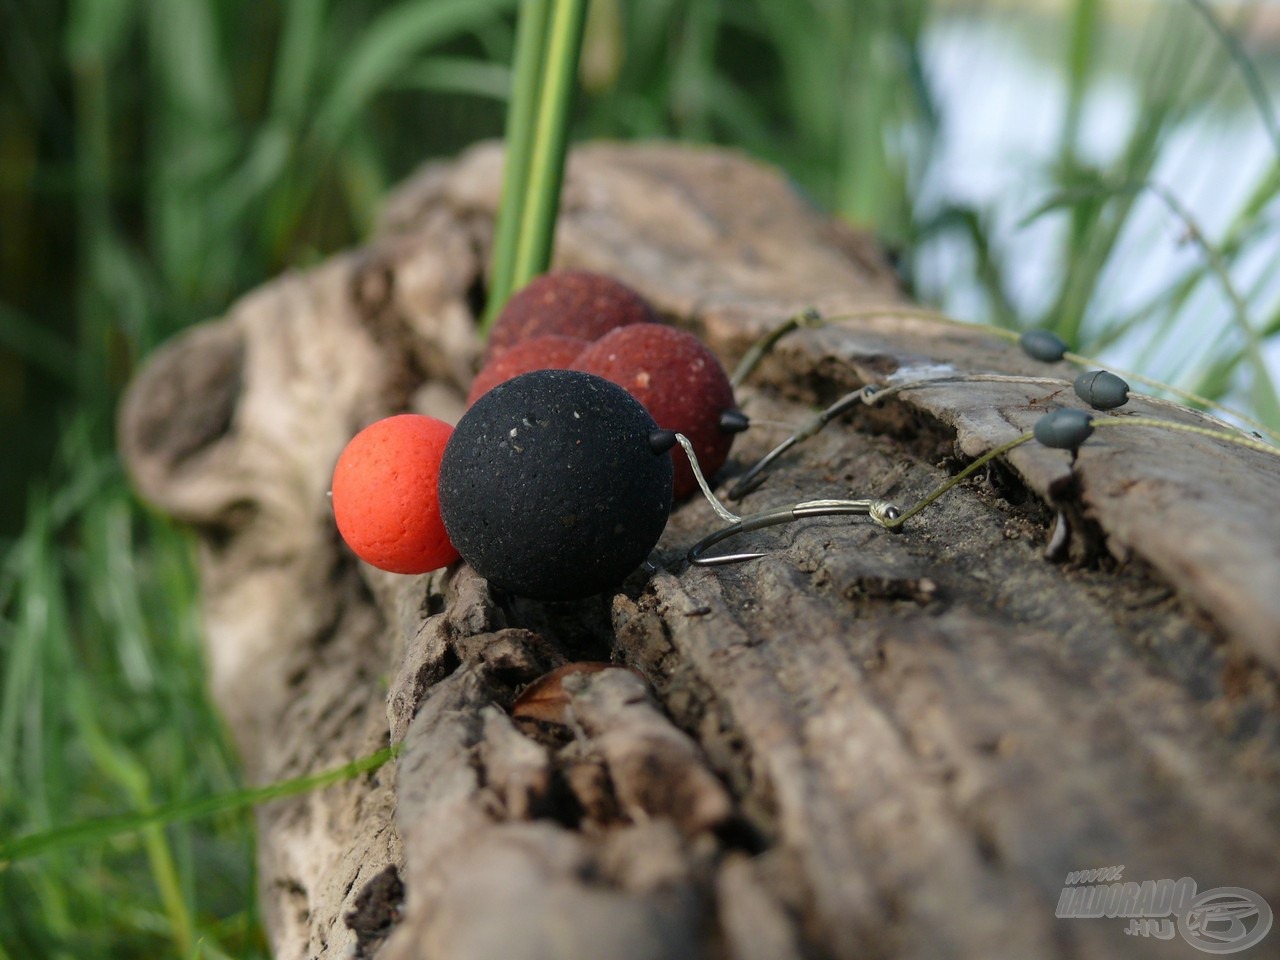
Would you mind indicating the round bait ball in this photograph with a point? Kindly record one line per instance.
(1101, 390)
(1043, 345)
(550, 488)
(1064, 429)
(679, 381)
(385, 494)
(551, 352)
(571, 303)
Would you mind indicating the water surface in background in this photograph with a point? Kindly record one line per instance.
(1001, 87)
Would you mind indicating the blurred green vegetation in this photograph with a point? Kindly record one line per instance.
(160, 157)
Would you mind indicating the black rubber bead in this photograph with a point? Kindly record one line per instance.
(1043, 345)
(1102, 390)
(734, 420)
(660, 441)
(1064, 429)
(549, 487)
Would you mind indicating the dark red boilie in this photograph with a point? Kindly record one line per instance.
(679, 381)
(550, 352)
(569, 303)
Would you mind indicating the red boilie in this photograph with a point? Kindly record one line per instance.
(680, 382)
(549, 352)
(570, 303)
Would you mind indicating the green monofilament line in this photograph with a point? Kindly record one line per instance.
(990, 455)
(1239, 441)
(805, 318)
(963, 475)
(1011, 336)
(526, 93)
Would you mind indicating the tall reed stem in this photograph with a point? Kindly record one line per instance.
(538, 140)
(525, 96)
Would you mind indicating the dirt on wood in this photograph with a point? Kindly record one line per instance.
(862, 744)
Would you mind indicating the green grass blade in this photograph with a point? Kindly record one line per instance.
(389, 45)
(1265, 398)
(1169, 302)
(95, 831)
(1263, 390)
(189, 54)
(244, 187)
(98, 29)
(603, 46)
(693, 65)
(989, 270)
(1172, 74)
(299, 54)
(1085, 27)
(361, 176)
(467, 75)
(121, 767)
(1250, 219)
(1248, 72)
(1216, 379)
(36, 344)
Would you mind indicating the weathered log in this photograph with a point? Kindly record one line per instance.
(860, 745)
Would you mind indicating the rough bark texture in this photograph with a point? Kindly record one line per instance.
(862, 745)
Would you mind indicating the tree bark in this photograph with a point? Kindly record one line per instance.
(860, 745)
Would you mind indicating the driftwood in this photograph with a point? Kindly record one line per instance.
(862, 745)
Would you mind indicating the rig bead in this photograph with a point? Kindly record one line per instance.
(1064, 429)
(1043, 345)
(1101, 390)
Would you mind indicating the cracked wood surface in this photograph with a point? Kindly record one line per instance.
(861, 745)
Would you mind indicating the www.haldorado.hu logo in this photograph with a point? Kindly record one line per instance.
(1221, 920)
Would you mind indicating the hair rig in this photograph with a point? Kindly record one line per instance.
(1101, 390)
(1042, 345)
(1065, 428)
(881, 511)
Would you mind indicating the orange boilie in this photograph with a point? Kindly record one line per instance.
(385, 498)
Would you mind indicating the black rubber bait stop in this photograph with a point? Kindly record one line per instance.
(1043, 345)
(551, 488)
(1064, 429)
(1101, 390)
